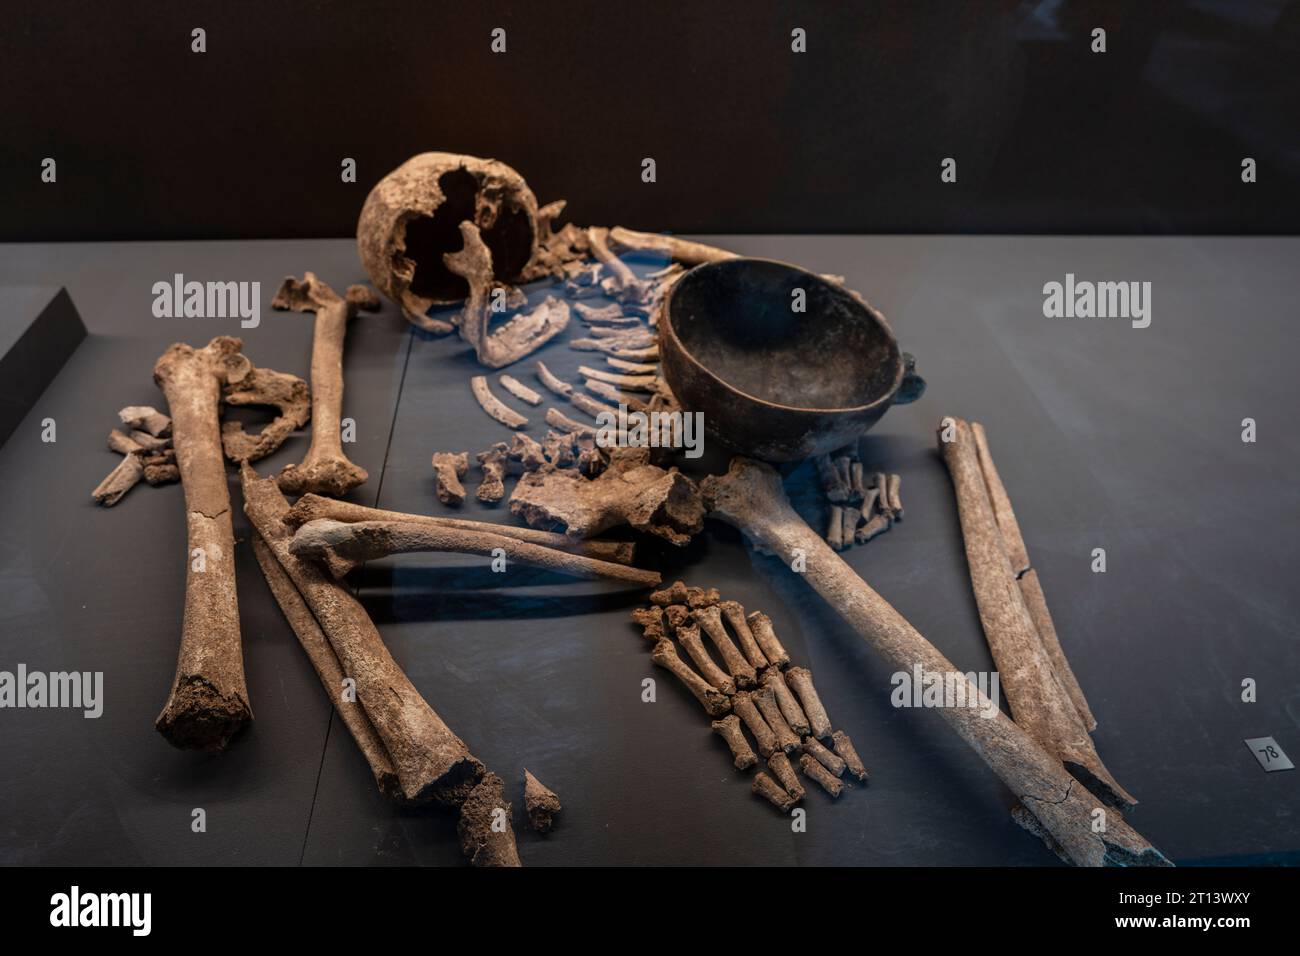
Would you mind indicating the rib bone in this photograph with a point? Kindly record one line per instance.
(519, 390)
(493, 406)
(554, 384)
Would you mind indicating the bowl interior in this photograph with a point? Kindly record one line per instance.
(736, 319)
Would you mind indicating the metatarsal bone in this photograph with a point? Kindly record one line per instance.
(710, 618)
(689, 637)
(790, 709)
(714, 703)
(734, 612)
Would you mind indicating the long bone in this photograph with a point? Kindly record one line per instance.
(208, 703)
(326, 663)
(310, 507)
(1030, 587)
(341, 546)
(431, 762)
(750, 498)
(326, 469)
(681, 250)
(1038, 699)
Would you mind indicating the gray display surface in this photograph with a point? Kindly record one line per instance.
(1107, 436)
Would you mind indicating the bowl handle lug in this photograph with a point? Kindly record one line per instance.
(912, 386)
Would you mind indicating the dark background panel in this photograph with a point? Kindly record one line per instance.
(246, 140)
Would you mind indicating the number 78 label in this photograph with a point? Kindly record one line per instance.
(1269, 754)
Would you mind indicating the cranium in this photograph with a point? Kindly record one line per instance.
(418, 215)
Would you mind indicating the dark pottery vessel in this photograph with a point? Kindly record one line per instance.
(774, 383)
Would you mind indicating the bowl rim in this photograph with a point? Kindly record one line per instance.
(876, 315)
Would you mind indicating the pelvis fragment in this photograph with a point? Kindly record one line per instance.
(444, 228)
